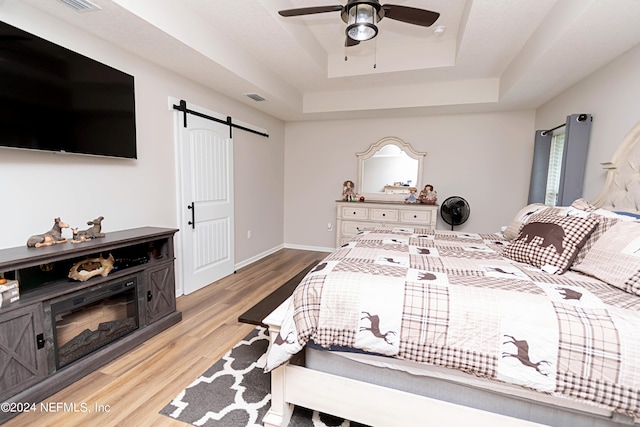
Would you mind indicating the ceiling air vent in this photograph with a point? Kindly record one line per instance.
(255, 97)
(81, 5)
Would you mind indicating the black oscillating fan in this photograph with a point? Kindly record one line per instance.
(455, 211)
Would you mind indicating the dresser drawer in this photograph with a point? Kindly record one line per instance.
(384, 214)
(352, 228)
(344, 240)
(351, 218)
(416, 217)
(355, 212)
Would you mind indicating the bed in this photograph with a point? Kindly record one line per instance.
(538, 325)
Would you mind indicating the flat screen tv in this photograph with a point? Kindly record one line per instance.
(54, 99)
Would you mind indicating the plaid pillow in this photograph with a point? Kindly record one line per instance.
(606, 220)
(550, 241)
(615, 257)
(582, 204)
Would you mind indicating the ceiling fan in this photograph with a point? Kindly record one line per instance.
(361, 17)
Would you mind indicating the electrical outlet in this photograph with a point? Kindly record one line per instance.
(329, 226)
(248, 234)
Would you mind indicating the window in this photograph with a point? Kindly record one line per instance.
(559, 162)
(555, 169)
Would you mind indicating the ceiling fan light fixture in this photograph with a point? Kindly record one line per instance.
(361, 22)
(361, 17)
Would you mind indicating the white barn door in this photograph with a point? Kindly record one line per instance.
(206, 163)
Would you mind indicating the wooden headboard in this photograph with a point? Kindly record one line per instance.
(621, 191)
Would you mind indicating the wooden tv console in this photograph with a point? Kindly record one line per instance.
(28, 372)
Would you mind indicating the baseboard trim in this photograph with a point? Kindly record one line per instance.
(309, 248)
(258, 257)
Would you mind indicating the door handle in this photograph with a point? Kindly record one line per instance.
(192, 223)
(40, 342)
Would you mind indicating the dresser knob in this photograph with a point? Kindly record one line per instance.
(354, 213)
(415, 216)
(384, 214)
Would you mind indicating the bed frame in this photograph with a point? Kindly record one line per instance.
(621, 191)
(376, 405)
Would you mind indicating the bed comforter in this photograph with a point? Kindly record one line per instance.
(450, 299)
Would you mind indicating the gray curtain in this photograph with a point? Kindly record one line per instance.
(540, 167)
(574, 161)
(574, 158)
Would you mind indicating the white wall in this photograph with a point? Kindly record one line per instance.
(286, 184)
(485, 158)
(36, 186)
(612, 96)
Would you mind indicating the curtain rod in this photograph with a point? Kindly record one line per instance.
(579, 118)
(544, 132)
(183, 107)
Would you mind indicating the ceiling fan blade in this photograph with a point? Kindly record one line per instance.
(348, 42)
(410, 15)
(309, 10)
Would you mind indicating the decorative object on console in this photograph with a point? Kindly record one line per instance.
(428, 195)
(47, 266)
(51, 237)
(9, 292)
(78, 236)
(412, 197)
(84, 270)
(348, 194)
(90, 233)
(455, 211)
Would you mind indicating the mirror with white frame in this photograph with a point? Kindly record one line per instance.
(388, 169)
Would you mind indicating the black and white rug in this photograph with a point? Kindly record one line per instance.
(235, 392)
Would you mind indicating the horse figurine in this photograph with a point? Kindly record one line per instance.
(49, 238)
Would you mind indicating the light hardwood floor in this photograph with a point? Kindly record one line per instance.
(136, 386)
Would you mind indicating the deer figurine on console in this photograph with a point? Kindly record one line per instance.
(91, 233)
(51, 237)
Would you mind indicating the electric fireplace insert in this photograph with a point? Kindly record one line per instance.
(87, 321)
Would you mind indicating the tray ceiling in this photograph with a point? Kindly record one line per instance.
(493, 54)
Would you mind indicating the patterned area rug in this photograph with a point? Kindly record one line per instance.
(235, 392)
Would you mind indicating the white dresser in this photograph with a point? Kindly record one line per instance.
(352, 217)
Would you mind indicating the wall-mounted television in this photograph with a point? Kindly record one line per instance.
(54, 99)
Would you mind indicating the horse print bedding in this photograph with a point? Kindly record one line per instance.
(451, 299)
